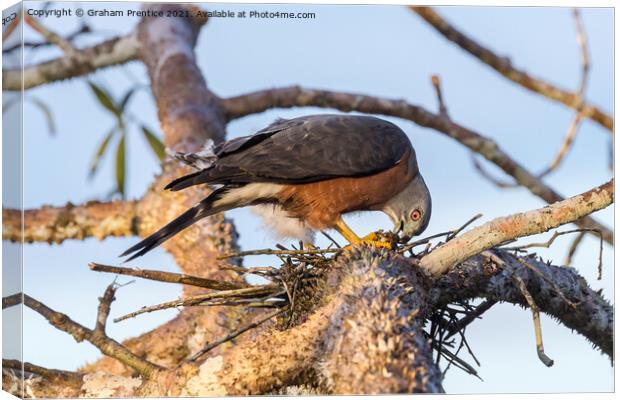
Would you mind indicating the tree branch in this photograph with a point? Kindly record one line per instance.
(12, 300)
(189, 113)
(490, 275)
(96, 337)
(504, 229)
(48, 373)
(81, 62)
(168, 277)
(504, 66)
(57, 224)
(296, 96)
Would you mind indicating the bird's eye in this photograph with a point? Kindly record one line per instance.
(416, 215)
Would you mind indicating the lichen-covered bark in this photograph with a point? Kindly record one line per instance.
(503, 229)
(364, 337)
(57, 224)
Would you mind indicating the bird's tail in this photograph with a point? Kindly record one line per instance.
(186, 181)
(201, 210)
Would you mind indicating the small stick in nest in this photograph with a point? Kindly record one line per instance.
(162, 276)
(277, 252)
(203, 299)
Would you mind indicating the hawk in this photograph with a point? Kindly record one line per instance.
(312, 170)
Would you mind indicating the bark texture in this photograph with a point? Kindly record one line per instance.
(503, 229)
(57, 224)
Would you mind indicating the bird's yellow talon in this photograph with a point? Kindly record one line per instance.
(374, 243)
(372, 236)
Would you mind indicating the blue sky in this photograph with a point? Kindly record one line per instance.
(380, 50)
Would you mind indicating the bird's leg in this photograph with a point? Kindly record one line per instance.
(352, 237)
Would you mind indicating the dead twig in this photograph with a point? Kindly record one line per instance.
(162, 276)
(277, 252)
(504, 66)
(462, 323)
(105, 303)
(106, 345)
(50, 36)
(331, 239)
(252, 291)
(574, 126)
(573, 248)
(454, 233)
(557, 234)
(536, 317)
(443, 110)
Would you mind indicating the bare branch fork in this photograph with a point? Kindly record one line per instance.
(97, 336)
(503, 65)
(571, 133)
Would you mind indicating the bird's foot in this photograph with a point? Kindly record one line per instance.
(375, 239)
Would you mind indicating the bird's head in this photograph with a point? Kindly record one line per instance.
(410, 210)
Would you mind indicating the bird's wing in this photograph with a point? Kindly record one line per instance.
(306, 149)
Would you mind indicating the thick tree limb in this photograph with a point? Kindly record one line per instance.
(189, 113)
(366, 338)
(504, 229)
(490, 275)
(57, 224)
(81, 62)
(504, 66)
(296, 96)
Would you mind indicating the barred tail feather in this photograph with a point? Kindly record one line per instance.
(189, 217)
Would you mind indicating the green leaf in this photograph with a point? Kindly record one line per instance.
(49, 117)
(155, 143)
(120, 167)
(100, 151)
(104, 98)
(125, 99)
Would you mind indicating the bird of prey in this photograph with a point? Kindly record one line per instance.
(312, 170)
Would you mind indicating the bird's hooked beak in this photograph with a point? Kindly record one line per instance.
(398, 231)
